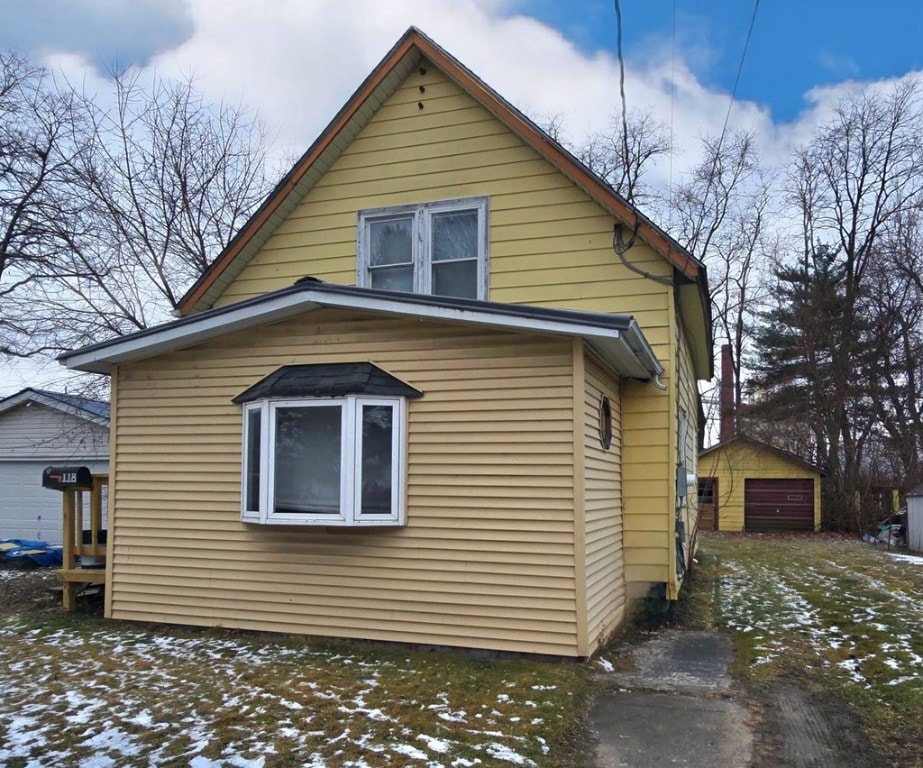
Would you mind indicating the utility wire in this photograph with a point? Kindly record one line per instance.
(618, 241)
(740, 68)
(717, 154)
(672, 111)
(618, 21)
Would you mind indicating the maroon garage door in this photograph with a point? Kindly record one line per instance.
(779, 505)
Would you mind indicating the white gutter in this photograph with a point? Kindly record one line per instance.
(628, 349)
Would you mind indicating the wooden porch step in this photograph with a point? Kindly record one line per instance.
(82, 575)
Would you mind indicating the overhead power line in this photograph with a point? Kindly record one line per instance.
(740, 69)
(618, 22)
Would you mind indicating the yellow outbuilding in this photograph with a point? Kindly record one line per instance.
(748, 485)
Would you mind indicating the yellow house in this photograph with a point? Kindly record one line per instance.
(421, 397)
(748, 485)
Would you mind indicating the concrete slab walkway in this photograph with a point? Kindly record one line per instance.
(672, 706)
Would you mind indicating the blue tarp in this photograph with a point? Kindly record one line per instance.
(29, 551)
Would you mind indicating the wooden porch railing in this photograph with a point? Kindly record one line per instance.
(84, 550)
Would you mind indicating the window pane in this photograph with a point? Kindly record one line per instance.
(707, 490)
(456, 278)
(392, 278)
(377, 459)
(254, 420)
(307, 460)
(455, 235)
(390, 242)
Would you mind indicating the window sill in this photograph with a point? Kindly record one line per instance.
(332, 524)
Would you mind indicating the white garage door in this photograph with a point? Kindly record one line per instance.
(28, 511)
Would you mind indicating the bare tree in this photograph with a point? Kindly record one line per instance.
(722, 216)
(40, 136)
(857, 187)
(622, 157)
(162, 183)
(893, 297)
(619, 158)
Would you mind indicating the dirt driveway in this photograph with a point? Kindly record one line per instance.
(823, 637)
(828, 645)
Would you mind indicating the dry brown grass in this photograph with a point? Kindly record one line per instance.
(838, 616)
(83, 691)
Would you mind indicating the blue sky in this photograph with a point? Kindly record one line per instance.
(795, 46)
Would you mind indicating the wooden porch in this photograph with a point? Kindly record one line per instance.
(84, 548)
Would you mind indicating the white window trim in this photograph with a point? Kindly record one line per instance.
(350, 514)
(421, 248)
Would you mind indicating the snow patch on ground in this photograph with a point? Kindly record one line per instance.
(912, 559)
(770, 605)
(128, 697)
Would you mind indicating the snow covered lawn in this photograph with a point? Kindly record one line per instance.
(836, 614)
(81, 691)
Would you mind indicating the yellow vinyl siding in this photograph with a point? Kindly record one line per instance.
(486, 559)
(550, 245)
(734, 463)
(605, 582)
(112, 521)
(647, 484)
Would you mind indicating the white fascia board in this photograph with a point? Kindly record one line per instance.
(628, 349)
(619, 357)
(186, 333)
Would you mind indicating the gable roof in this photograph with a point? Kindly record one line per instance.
(617, 339)
(385, 79)
(86, 408)
(763, 446)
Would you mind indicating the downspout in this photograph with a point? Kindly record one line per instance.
(636, 342)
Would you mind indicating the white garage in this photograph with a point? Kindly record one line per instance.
(39, 428)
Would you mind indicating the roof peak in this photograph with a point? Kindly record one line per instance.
(353, 116)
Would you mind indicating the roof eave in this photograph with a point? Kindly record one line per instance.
(325, 148)
(30, 395)
(762, 445)
(618, 340)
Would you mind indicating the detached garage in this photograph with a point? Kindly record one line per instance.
(755, 487)
(39, 428)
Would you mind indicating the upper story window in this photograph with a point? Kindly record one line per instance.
(436, 248)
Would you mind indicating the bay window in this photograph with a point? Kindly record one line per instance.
(324, 461)
(325, 444)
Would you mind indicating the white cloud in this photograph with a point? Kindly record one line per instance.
(300, 63)
(297, 63)
(109, 33)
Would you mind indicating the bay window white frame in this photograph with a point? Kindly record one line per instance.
(422, 240)
(350, 512)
